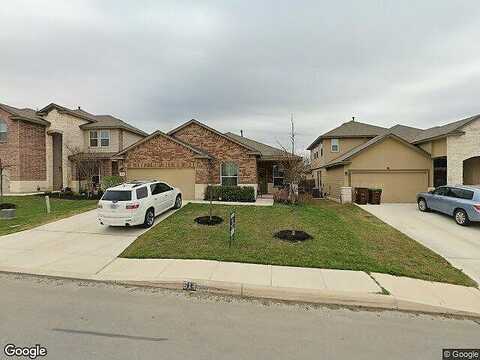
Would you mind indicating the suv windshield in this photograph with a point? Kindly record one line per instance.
(115, 195)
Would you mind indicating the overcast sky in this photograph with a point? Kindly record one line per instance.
(246, 64)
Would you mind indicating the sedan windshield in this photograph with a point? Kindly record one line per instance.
(115, 195)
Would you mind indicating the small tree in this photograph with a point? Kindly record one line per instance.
(3, 167)
(294, 167)
(86, 165)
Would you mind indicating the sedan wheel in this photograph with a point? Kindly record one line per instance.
(461, 217)
(422, 205)
(178, 202)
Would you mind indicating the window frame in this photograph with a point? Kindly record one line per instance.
(236, 177)
(277, 166)
(335, 142)
(101, 137)
(91, 132)
(3, 124)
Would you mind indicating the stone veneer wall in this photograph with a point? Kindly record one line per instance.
(460, 148)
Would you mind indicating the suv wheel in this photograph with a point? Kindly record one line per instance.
(149, 218)
(422, 205)
(461, 217)
(178, 202)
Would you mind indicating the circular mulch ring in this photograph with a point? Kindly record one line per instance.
(207, 220)
(290, 235)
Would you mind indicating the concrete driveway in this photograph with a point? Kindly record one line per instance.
(77, 245)
(459, 245)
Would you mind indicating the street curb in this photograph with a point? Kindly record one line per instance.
(290, 295)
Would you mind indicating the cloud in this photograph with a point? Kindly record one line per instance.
(238, 65)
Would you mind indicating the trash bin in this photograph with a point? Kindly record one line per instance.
(374, 196)
(361, 196)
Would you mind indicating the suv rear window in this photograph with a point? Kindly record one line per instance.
(462, 193)
(117, 195)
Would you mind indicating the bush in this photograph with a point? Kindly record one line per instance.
(231, 193)
(281, 196)
(110, 181)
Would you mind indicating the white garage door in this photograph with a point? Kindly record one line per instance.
(184, 179)
(397, 187)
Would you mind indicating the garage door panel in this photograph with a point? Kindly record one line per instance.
(397, 187)
(184, 179)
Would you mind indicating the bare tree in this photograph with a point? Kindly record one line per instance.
(86, 166)
(294, 166)
(3, 167)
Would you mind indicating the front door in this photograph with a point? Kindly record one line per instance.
(262, 180)
(57, 161)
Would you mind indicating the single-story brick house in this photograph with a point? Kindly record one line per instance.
(400, 160)
(193, 155)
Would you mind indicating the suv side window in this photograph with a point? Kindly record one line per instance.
(142, 192)
(444, 191)
(164, 187)
(462, 193)
(155, 189)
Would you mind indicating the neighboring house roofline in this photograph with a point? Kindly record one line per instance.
(193, 121)
(200, 153)
(450, 129)
(350, 129)
(345, 158)
(28, 115)
(61, 109)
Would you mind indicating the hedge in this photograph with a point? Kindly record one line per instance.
(231, 193)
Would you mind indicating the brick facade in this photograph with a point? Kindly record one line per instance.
(222, 149)
(24, 150)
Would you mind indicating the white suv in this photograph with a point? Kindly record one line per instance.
(137, 203)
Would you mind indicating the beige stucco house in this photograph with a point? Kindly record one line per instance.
(37, 145)
(400, 160)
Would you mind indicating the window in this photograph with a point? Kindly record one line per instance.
(229, 174)
(278, 176)
(461, 193)
(142, 192)
(3, 131)
(93, 138)
(315, 154)
(116, 195)
(335, 145)
(159, 188)
(442, 191)
(104, 138)
(321, 149)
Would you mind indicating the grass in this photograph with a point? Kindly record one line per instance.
(344, 237)
(31, 211)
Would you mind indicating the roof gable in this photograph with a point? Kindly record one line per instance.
(199, 153)
(24, 114)
(198, 123)
(444, 130)
(352, 129)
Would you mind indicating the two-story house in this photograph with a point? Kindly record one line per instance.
(36, 146)
(400, 160)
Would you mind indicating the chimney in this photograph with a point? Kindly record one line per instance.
(241, 133)
(79, 108)
(353, 118)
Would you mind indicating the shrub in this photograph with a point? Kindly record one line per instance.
(110, 181)
(231, 193)
(281, 196)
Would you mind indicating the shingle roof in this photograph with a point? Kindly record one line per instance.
(266, 151)
(25, 114)
(350, 129)
(439, 131)
(109, 121)
(407, 133)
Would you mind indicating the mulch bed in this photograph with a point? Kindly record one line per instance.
(292, 235)
(207, 220)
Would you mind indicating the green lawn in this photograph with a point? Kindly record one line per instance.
(31, 211)
(344, 237)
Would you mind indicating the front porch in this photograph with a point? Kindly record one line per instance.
(270, 176)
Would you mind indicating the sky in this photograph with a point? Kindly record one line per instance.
(246, 65)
